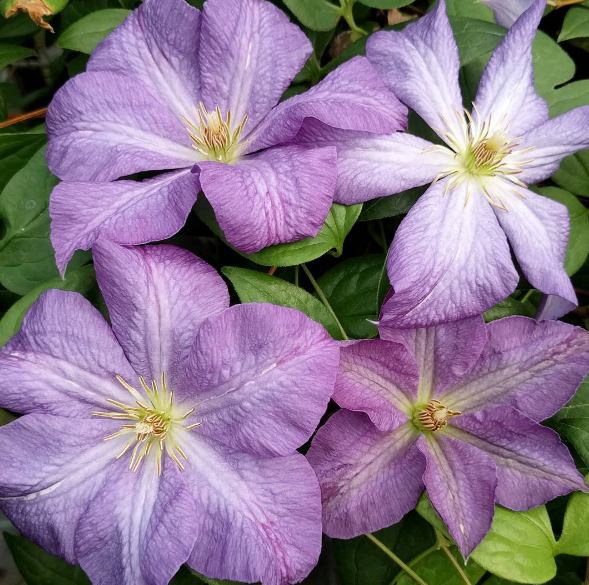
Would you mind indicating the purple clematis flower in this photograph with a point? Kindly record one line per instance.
(451, 258)
(172, 88)
(506, 12)
(171, 437)
(455, 407)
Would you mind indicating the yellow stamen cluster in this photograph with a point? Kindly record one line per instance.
(153, 420)
(482, 151)
(433, 416)
(213, 136)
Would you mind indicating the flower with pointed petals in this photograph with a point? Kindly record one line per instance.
(506, 12)
(450, 258)
(171, 437)
(455, 407)
(172, 88)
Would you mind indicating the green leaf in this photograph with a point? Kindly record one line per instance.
(81, 280)
(572, 421)
(520, 545)
(86, 33)
(11, 53)
(470, 9)
(390, 206)
(6, 417)
(552, 65)
(578, 246)
(330, 238)
(256, 287)
(573, 173)
(16, 149)
(510, 306)
(573, 540)
(40, 568)
(351, 287)
(18, 26)
(210, 581)
(575, 25)
(360, 562)
(475, 37)
(572, 95)
(316, 14)
(385, 4)
(26, 254)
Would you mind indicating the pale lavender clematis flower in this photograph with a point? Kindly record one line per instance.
(455, 407)
(506, 12)
(172, 88)
(171, 437)
(450, 258)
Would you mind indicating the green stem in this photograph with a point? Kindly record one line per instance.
(395, 558)
(442, 543)
(345, 10)
(296, 275)
(416, 560)
(324, 299)
(527, 295)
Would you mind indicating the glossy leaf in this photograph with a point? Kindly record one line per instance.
(316, 14)
(11, 53)
(16, 149)
(573, 173)
(510, 306)
(390, 206)
(575, 25)
(574, 540)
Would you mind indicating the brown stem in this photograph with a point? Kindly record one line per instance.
(272, 270)
(561, 3)
(582, 291)
(40, 113)
(587, 573)
(582, 311)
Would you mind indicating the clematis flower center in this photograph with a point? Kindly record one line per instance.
(153, 423)
(214, 136)
(433, 416)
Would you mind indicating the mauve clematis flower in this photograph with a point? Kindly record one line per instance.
(174, 89)
(455, 407)
(171, 437)
(506, 12)
(450, 258)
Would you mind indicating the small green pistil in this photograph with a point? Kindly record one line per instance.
(433, 416)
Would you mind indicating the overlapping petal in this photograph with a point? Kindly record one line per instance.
(507, 11)
(551, 141)
(63, 361)
(157, 298)
(351, 98)
(126, 212)
(52, 468)
(248, 56)
(369, 479)
(535, 367)
(506, 97)
(460, 481)
(281, 195)
(379, 378)
(104, 125)
(259, 519)
(377, 165)
(158, 46)
(262, 377)
(420, 65)
(449, 260)
(533, 466)
(444, 354)
(538, 231)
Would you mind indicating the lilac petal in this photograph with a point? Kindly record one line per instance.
(104, 125)
(262, 376)
(506, 12)
(551, 142)
(249, 54)
(535, 367)
(63, 361)
(506, 93)
(449, 260)
(157, 298)
(52, 468)
(379, 378)
(259, 519)
(372, 166)
(140, 528)
(552, 307)
(126, 212)
(460, 481)
(351, 98)
(369, 479)
(533, 466)
(420, 65)
(158, 46)
(538, 231)
(444, 353)
(280, 195)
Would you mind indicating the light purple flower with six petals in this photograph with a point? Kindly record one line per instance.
(171, 437)
(455, 407)
(451, 258)
(174, 89)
